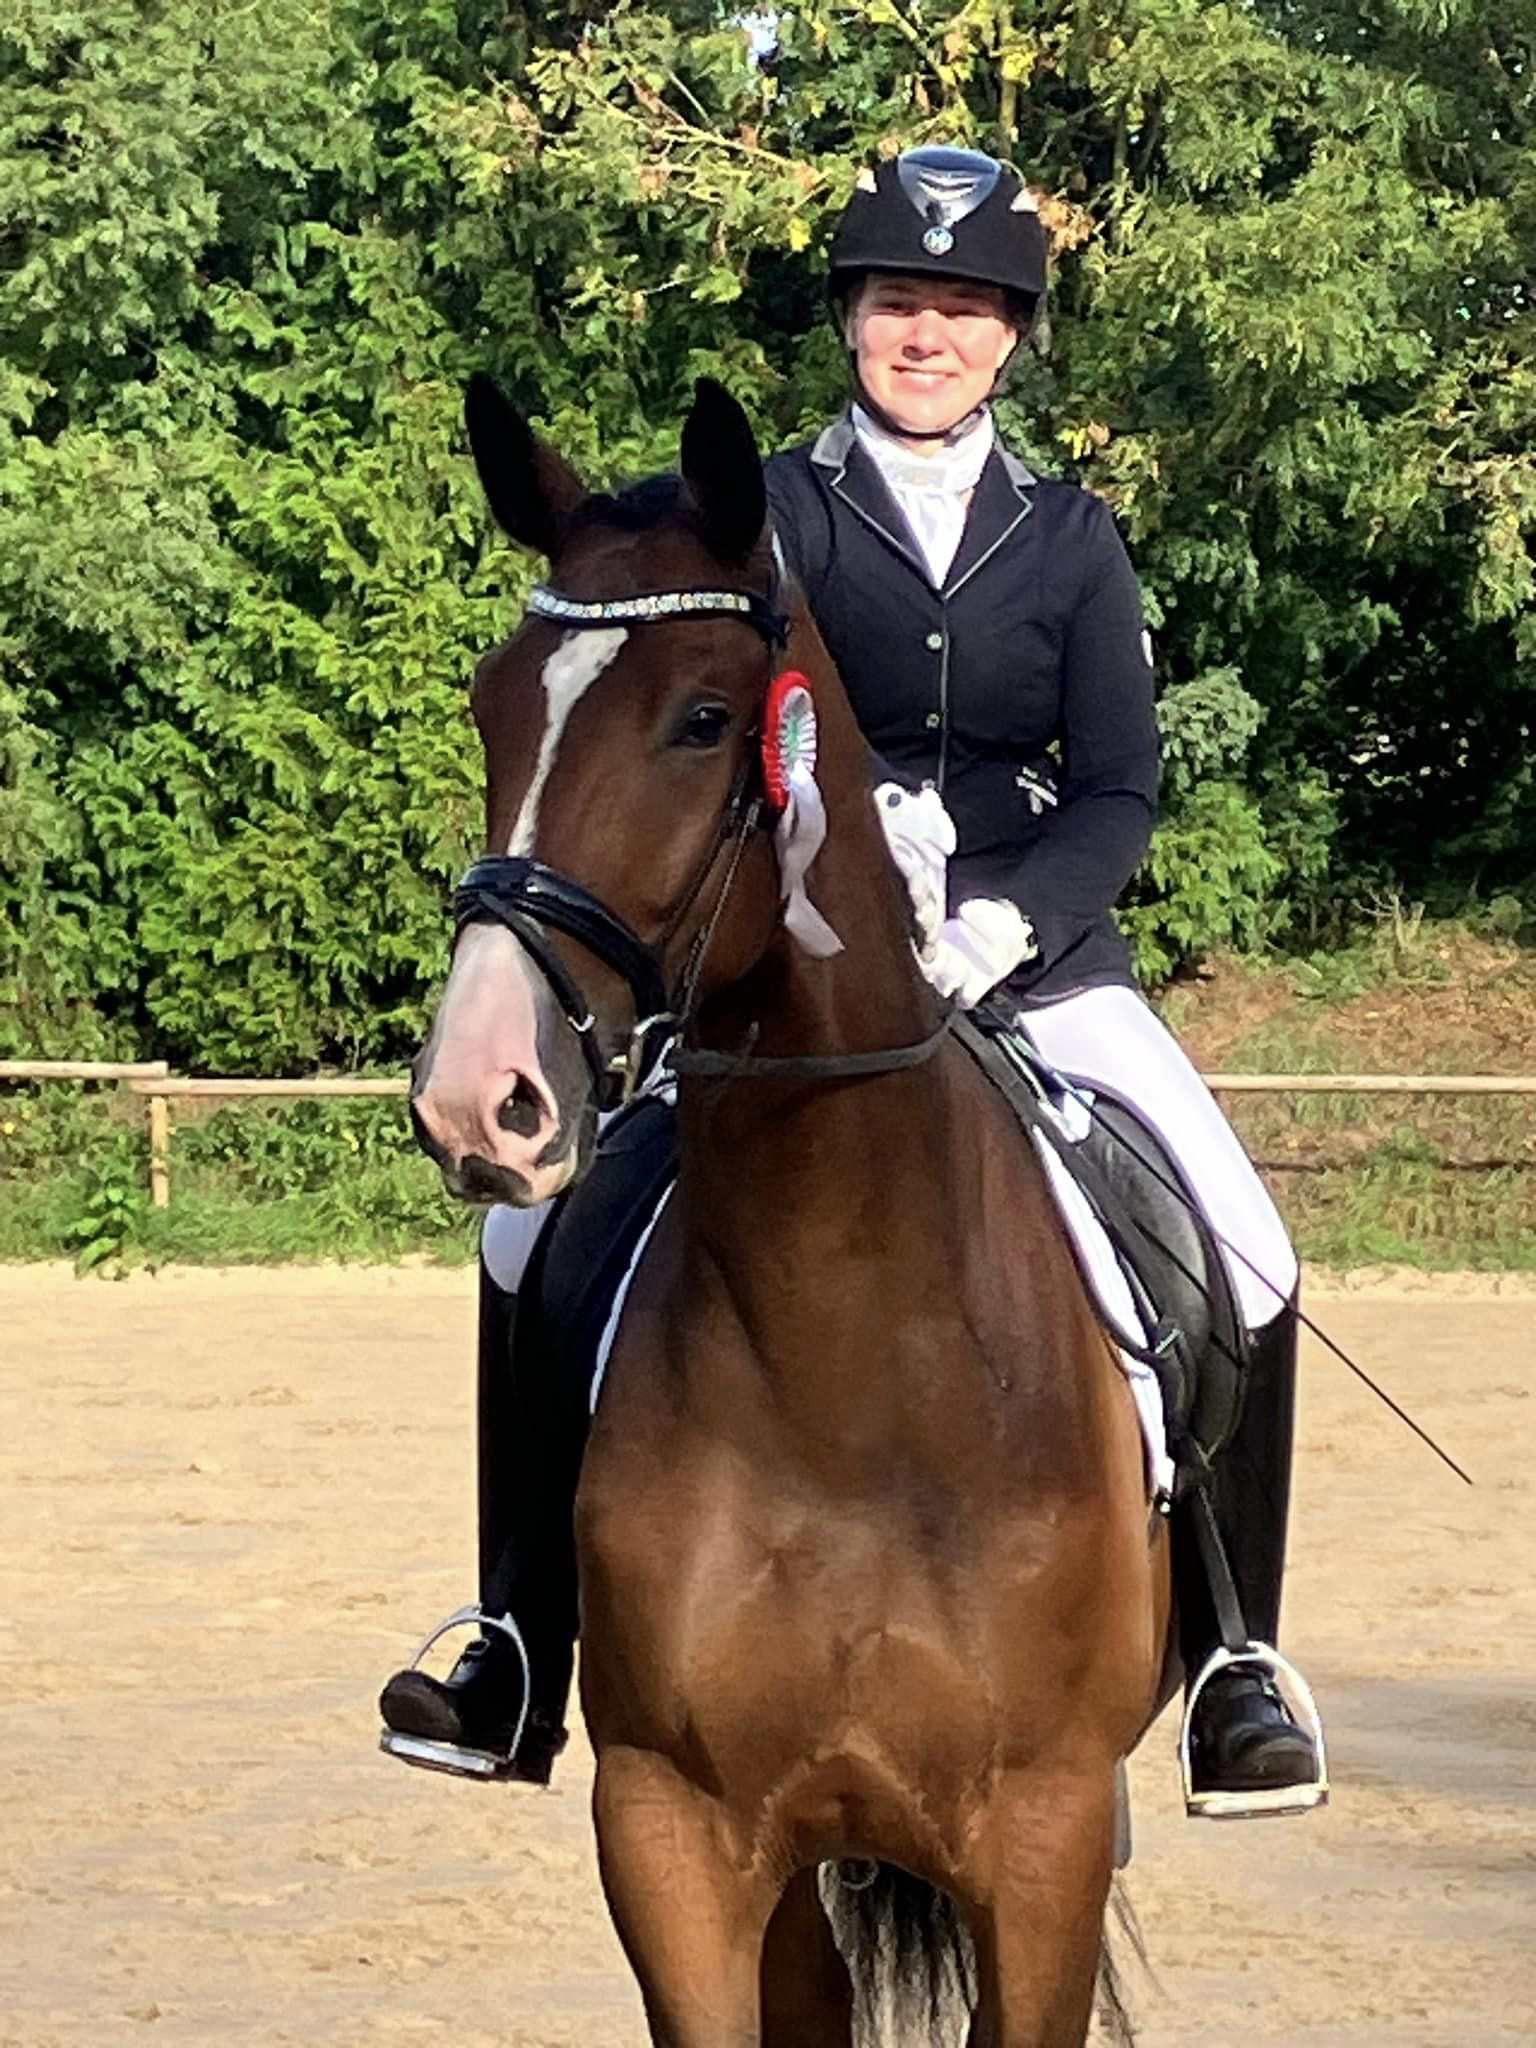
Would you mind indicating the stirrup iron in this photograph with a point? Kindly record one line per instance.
(1297, 1695)
(461, 1762)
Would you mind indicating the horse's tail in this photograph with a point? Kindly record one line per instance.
(1113, 2013)
(913, 1965)
(908, 1954)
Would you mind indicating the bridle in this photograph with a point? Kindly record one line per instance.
(532, 900)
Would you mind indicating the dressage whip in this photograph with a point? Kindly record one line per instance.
(1086, 1102)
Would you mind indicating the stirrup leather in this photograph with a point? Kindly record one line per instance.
(1297, 1695)
(451, 1756)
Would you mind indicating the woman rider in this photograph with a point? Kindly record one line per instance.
(988, 628)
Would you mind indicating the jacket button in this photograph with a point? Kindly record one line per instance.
(935, 641)
(932, 721)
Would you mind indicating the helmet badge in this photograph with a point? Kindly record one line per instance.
(938, 241)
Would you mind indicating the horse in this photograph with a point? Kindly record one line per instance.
(870, 1584)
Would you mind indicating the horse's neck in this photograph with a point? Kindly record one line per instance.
(843, 1233)
(797, 1157)
(871, 995)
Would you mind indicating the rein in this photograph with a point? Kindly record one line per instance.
(532, 900)
(747, 1065)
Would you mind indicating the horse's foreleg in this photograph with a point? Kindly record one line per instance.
(1046, 1862)
(690, 1918)
(807, 1992)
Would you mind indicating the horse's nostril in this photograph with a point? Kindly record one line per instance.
(523, 1111)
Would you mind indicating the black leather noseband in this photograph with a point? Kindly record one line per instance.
(532, 900)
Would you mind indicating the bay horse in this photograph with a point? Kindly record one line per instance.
(869, 1576)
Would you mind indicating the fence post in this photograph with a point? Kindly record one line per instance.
(159, 1152)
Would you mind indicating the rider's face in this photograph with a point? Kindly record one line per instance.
(928, 349)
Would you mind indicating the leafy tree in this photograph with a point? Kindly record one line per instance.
(247, 257)
(241, 559)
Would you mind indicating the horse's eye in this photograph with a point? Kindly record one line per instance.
(706, 725)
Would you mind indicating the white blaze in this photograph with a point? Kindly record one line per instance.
(569, 672)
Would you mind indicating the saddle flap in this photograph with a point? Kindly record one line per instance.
(1173, 1247)
(1153, 1224)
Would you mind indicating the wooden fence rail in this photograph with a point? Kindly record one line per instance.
(82, 1070)
(176, 1085)
(154, 1081)
(1365, 1084)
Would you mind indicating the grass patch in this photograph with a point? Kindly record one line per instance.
(1439, 1182)
(251, 1182)
(1402, 1210)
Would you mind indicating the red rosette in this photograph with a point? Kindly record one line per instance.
(789, 732)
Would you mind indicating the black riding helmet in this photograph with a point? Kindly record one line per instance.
(940, 212)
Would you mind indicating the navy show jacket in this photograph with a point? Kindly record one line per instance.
(1021, 689)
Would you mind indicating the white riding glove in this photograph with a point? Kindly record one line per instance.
(921, 836)
(966, 955)
(977, 948)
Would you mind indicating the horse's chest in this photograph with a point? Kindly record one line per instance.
(809, 1561)
(730, 1599)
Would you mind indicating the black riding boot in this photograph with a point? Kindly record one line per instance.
(534, 1416)
(485, 1720)
(1250, 1752)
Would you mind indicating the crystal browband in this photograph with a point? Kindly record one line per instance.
(659, 604)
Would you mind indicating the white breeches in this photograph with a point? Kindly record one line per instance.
(507, 1241)
(1111, 1036)
(1108, 1036)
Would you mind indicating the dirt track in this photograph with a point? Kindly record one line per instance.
(229, 1502)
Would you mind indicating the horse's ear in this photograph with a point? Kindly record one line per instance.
(531, 490)
(724, 472)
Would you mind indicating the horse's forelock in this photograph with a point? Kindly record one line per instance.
(647, 506)
(634, 509)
